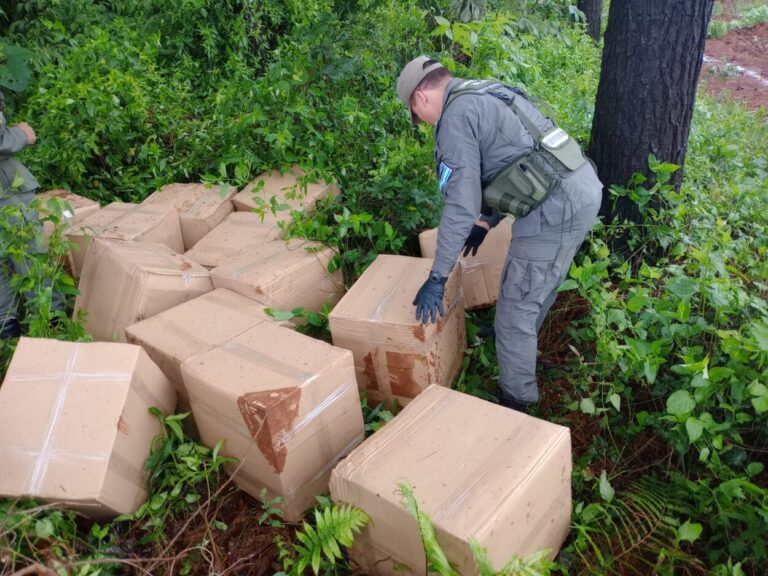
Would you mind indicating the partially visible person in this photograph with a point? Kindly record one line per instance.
(17, 187)
(496, 153)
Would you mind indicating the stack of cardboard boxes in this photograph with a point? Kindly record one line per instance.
(178, 291)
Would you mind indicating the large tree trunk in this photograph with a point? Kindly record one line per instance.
(651, 63)
(593, 11)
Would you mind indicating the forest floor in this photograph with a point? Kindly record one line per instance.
(736, 64)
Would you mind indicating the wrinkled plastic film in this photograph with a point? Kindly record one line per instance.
(326, 469)
(310, 416)
(46, 454)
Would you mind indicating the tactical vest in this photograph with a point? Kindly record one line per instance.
(529, 180)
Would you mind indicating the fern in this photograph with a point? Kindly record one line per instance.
(436, 558)
(637, 534)
(318, 545)
(534, 565)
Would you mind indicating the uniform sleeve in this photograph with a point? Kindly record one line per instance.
(12, 140)
(458, 166)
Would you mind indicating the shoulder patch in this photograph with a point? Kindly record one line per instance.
(444, 173)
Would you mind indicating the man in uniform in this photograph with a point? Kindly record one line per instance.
(496, 153)
(17, 187)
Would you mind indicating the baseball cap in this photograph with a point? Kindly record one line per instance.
(413, 73)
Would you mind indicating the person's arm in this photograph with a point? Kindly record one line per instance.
(15, 139)
(459, 178)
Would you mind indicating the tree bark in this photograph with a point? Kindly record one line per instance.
(593, 11)
(651, 63)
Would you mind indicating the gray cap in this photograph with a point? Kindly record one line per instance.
(413, 73)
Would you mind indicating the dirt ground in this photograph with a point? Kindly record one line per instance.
(746, 48)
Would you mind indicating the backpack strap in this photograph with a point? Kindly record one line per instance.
(491, 87)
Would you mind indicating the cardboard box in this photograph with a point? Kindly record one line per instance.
(477, 469)
(78, 209)
(481, 273)
(75, 426)
(283, 275)
(120, 221)
(287, 407)
(397, 357)
(179, 333)
(239, 232)
(201, 207)
(125, 282)
(289, 192)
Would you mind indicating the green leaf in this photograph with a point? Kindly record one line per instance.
(569, 284)
(587, 406)
(682, 287)
(759, 394)
(44, 528)
(694, 427)
(759, 330)
(680, 402)
(279, 314)
(689, 531)
(606, 490)
(615, 400)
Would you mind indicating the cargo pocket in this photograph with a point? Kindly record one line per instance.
(528, 268)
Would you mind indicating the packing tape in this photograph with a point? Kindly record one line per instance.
(310, 416)
(45, 454)
(380, 348)
(329, 465)
(261, 359)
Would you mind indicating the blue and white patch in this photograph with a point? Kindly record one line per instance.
(444, 173)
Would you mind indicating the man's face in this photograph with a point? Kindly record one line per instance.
(426, 105)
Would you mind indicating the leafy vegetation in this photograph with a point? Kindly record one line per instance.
(657, 360)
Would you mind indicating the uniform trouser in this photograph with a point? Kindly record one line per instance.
(9, 298)
(534, 269)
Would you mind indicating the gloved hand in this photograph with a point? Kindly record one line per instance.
(476, 237)
(429, 299)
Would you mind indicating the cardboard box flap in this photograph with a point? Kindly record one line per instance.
(464, 477)
(201, 207)
(385, 291)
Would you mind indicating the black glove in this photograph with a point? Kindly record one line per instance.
(429, 299)
(476, 237)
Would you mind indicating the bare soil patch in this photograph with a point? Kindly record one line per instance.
(729, 60)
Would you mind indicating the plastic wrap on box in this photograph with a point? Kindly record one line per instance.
(201, 207)
(283, 275)
(75, 426)
(179, 333)
(120, 221)
(287, 407)
(125, 282)
(239, 232)
(396, 356)
(481, 273)
(289, 193)
(477, 469)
